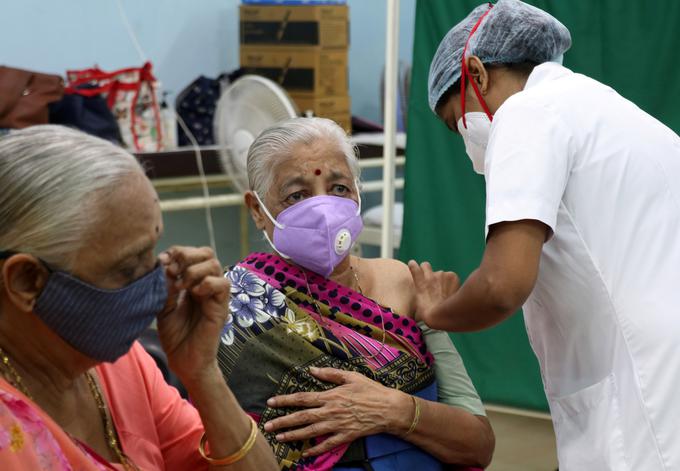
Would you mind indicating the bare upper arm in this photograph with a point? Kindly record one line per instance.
(392, 285)
(511, 260)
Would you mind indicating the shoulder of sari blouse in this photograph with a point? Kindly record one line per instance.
(396, 275)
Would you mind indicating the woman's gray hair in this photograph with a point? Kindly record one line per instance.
(277, 142)
(51, 179)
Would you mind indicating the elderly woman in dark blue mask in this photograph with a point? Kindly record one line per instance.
(79, 282)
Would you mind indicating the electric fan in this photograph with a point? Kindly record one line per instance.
(245, 109)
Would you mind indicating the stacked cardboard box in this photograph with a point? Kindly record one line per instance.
(305, 50)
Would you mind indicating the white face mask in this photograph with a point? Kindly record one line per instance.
(475, 137)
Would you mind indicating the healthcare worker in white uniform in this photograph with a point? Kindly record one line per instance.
(583, 230)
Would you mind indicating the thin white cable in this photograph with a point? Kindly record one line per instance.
(131, 32)
(185, 128)
(204, 181)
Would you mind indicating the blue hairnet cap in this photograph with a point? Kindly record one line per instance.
(512, 32)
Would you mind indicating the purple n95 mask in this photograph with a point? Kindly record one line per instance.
(317, 233)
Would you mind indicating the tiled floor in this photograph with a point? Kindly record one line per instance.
(522, 443)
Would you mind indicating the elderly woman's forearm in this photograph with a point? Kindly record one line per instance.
(453, 435)
(227, 426)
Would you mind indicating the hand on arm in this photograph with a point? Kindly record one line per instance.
(359, 407)
(494, 291)
(355, 408)
(189, 330)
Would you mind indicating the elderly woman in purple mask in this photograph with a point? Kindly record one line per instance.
(79, 282)
(323, 347)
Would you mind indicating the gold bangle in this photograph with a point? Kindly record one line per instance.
(237, 456)
(416, 416)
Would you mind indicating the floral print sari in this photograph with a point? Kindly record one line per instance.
(286, 319)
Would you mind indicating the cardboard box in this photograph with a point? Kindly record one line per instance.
(305, 70)
(324, 105)
(294, 25)
(337, 108)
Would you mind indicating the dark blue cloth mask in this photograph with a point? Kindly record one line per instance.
(100, 323)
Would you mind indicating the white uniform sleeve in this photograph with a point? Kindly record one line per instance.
(527, 164)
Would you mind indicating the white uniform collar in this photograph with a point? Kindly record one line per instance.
(547, 71)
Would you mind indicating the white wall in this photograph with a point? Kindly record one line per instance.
(183, 38)
(367, 52)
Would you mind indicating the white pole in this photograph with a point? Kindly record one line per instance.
(390, 125)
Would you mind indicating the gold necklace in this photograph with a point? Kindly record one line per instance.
(317, 308)
(356, 278)
(15, 378)
(355, 272)
(111, 440)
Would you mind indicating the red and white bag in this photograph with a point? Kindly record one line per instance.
(131, 96)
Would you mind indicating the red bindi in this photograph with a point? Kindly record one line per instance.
(317, 172)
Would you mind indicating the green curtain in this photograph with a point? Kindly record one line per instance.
(628, 44)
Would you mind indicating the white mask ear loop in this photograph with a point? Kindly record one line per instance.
(356, 187)
(266, 236)
(266, 211)
(278, 225)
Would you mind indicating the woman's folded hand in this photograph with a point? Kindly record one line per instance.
(356, 408)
